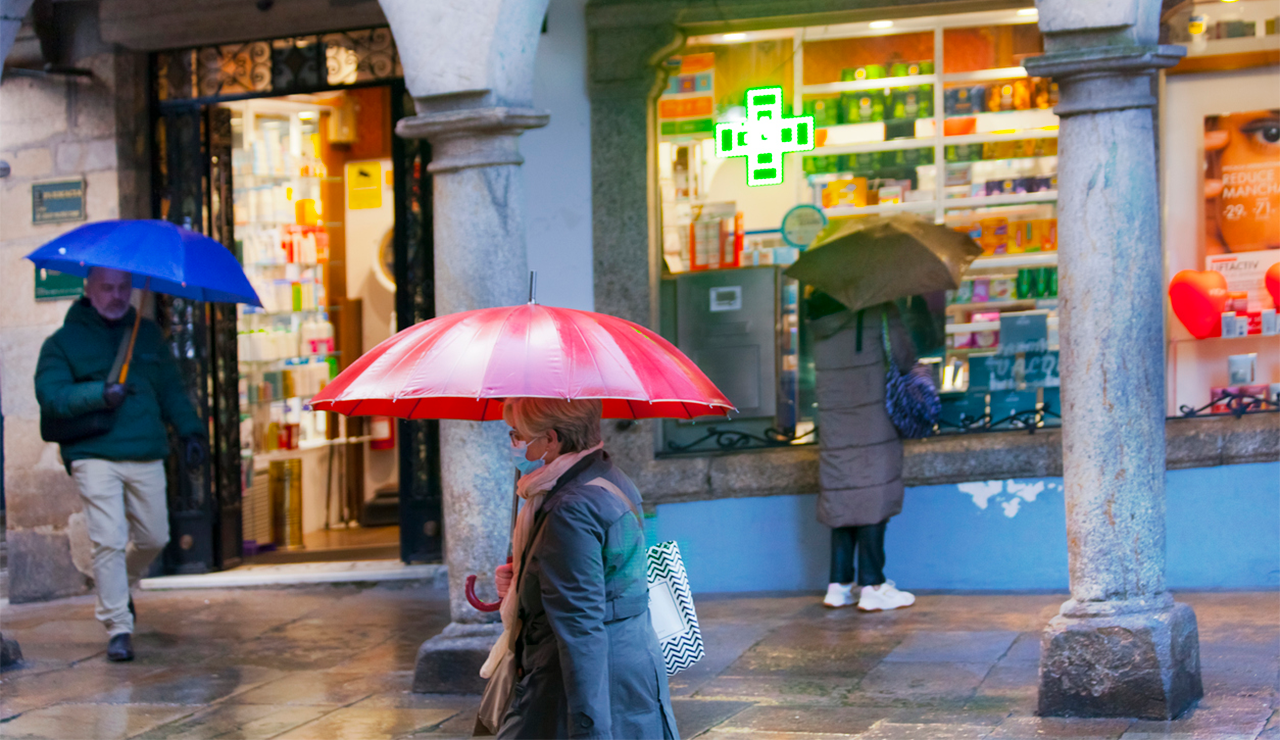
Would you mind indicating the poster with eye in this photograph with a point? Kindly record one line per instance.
(1242, 202)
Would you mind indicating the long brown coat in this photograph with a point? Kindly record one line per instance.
(860, 463)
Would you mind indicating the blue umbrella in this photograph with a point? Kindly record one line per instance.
(161, 256)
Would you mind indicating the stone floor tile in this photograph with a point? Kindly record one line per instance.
(1272, 730)
(1026, 728)
(189, 686)
(1025, 649)
(724, 644)
(406, 699)
(24, 693)
(314, 688)
(1006, 679)
(1213, 716)
(238, 721)
(777, 689)
(1197, 735)
(927, 715)
(800, 649)
(63, 631)
(718, 734)
(952, 647)
(932, 731)
(830, 720)
(368, 724)
(920, 682)
(89, 721)
(695, 716)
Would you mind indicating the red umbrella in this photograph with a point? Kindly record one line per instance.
(463, 365)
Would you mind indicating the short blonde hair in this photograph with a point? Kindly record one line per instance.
(576, 422)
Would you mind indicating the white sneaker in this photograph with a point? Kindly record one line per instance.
(884, 597)
(838, 595)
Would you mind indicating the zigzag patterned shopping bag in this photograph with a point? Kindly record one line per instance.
(671, 608)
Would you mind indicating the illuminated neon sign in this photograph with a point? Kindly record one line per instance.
(764, 136)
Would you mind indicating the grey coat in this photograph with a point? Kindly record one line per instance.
(860, 458)
(587, 656)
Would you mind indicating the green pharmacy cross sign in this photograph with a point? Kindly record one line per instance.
(764, 136)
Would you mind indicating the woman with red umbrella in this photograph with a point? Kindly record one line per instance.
(578, 656)
(586, 657)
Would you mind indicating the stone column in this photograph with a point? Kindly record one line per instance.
(1120, 647)
(480, 262)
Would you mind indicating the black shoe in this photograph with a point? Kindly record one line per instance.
(120, 649)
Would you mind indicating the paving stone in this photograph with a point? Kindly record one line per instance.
(920, 682)
(186, 686)
(96, 721)
(1025, 649)
(1213, 717)
(240, 721)
(313, 688)
(724, 642)
(353, 723)
(695, 716)
(1025, 728)
(831, 720)
(936, 731)
(952, 647)
(804, 650)
(777, 689)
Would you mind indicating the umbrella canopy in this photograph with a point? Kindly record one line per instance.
(463, 365)
(865, 261)
(161, 256)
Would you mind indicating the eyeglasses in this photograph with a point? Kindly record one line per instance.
(516, 438)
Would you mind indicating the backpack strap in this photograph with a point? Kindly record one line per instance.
(608, 485)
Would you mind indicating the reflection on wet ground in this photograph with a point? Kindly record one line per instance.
(336, 662)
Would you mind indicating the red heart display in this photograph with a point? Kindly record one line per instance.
(1198, 298)
(1273, 283)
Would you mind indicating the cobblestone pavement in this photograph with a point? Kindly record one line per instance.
(335, 662)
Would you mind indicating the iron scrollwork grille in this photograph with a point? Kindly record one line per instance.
(279, 66)
(421, 498)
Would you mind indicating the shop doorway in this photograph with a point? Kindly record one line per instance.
(328, 212)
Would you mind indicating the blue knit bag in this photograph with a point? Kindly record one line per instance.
(911, 398)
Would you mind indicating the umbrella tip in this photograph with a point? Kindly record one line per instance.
(533, 286)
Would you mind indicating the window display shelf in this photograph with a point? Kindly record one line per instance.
(286, 362)
(985, 75)
(1240, 45)
(924, 206)
(1027, 259)
(307, 446)
(871, 146)
(880, 83)
(976, 326)
(962, 308)
(1034, 133)
(1014, 199)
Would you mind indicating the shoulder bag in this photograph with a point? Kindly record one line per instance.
(92, 424)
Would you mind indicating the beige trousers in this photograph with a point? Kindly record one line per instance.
(126, 506)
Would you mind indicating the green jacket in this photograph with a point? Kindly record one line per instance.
(72, 372)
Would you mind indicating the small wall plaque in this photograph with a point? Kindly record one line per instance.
(56, 201)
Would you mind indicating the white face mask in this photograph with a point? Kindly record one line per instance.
(519, 450)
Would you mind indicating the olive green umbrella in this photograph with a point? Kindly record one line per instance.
(865, 261)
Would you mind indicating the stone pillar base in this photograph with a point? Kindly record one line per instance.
(10, 653)
(1144, 664)
(449, 663)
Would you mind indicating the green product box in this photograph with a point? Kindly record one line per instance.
(863, 162)
(862, 107)
(869, 72)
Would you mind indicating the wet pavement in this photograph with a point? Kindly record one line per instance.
(336, 662)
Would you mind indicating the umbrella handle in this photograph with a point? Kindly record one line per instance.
(133, 338)
(475, 600)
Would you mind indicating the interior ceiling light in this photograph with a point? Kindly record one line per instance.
(1033, 11)
(735, 37)
(881, 24)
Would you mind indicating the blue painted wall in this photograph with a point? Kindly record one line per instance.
(1223, 532)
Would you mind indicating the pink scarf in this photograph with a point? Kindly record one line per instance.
(533, 489)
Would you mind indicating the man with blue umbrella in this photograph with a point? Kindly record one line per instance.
(108, 385)
(120, 470)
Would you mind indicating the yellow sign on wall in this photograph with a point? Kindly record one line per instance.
(364, 185)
